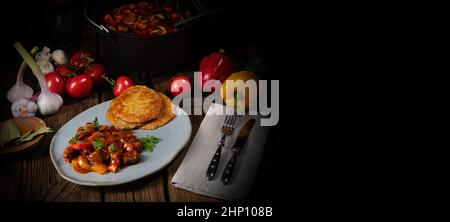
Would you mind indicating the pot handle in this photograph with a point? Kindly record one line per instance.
(100, 27)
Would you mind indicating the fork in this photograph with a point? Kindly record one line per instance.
(227, 129)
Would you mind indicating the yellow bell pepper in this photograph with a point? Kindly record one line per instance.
(234, 97)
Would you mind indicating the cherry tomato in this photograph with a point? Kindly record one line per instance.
(79, 86)
(81, 58)
(122, 84)
(65, 71)
(180, 84)
(55, 82)
(95, 71)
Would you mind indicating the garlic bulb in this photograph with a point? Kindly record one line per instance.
(43, 55)
(43, 60)
(49, 102)
(46, 67)
(23, 107)
(20, 89)
(60, 57)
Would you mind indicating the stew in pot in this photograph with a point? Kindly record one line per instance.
(145, 18)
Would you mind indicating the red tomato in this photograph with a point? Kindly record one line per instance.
(122, 84)
(81, 58)
(55, 82)
(79, 86)
(95, 72)
(179, 84)
(65, 71)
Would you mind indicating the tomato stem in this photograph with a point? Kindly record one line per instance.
(72, 74)
(109, 80)
(86, 58)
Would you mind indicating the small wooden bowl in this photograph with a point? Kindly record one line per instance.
(25, 124)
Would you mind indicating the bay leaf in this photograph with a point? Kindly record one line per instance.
(8, 132)
(34, 133)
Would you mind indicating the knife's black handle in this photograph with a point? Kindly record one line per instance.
(228, 171)
(212, 168)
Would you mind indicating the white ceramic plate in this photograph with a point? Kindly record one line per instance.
(174, 136)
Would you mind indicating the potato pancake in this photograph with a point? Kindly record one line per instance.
(119, 123)
(137, 104)
(166, 115)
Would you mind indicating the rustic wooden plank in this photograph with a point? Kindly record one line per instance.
(64, 191)
(40, 179)
(10, 177)
(60, 191)
(10, 166)
(180, 195)
(118, 196)
(154, 191)
(149, 189)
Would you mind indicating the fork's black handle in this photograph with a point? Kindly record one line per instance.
(228, 171)
(212, 168)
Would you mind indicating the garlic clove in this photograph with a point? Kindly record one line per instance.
(43, 55)
(18, 91)
(23, 107)
(59, 57)
(46, 66)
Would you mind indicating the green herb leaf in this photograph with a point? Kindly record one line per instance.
(30, 135)
(149, 142)
(75, 138)
(113, 148)
(96, 125)
(74, 141)
(25, 135)
(8, 132)
(98, 145)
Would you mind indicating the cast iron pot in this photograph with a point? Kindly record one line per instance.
(138, 52)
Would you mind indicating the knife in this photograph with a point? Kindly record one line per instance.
(237, 148)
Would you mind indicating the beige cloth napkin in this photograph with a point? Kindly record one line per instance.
(191, 175)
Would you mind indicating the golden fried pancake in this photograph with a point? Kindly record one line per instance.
(137, 104)
(118, 123)
(165, 116)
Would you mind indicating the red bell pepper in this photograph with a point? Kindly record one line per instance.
(85, 134)
(216, 66)
(82, 146)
